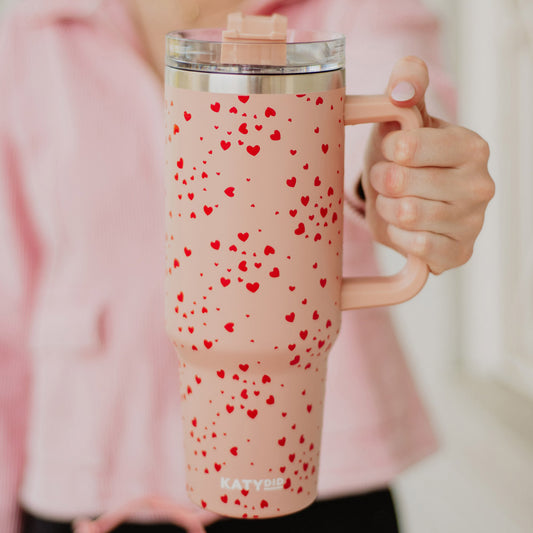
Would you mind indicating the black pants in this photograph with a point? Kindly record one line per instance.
(373, 512)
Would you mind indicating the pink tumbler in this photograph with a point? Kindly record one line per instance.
(255, 120)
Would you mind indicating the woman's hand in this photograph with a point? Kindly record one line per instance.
(427, 189)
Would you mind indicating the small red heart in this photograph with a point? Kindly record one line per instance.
(266, 379)
(274, 273)
(293, 212)
(179, 162)
(309, 407)
(292, 346)
(282, 469)
(291, 287)
(252, 413)
(229, 326)
(328, 324)
(208, 210)
(242, 266)
(225, 282)
(292, 456)
(215, 107)
(221, 373)
(176, 263)
(290, 317)
(321, 343)
(295, 361)
(198, 379)
(323, 211)
(269, 250)
(270, 400)
(276, 136)
(229, 408)
(317, 181)
(319, 100)
(243, 128)
(233, 248)
(176, 129)
(315, 315)
(306, 166)
(323, 282)
(264, 504)
(269, 112)
(317, 129)
(215, 245)
(243, 98)
(187, 251)
(252, 287)
(304, 200)
(218, 467)
(187, 116)
(287, 483)
(318, 237)
(208, 344)
(300, 229)
(325, 148)
(258, 127)
(330, 191)
(204, 175)
(233, 110)
(253, 150)
(204, 504)
(303, 334)
(190, 195)
(225, 145)
(244, 367)
(334, 218)
(291, 182)
(244, 492)
(243, 236)
(282, 441)
(224, 498)
(258, 265)
(180, 297)
(194, 422)
(293, 152)
(230, 191)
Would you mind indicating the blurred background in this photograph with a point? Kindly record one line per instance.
(469, 335)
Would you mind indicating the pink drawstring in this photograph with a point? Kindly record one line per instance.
(164, 509)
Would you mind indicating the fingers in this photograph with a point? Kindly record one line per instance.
(446, 146)
(408, 83)
(438, 251)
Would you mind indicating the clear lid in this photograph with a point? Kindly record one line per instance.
(208, 50)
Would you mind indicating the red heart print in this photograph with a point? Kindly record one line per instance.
(252, 413)
(300, 229)
(321, 343)
(221, 373)
(266, 379)
(315, 315)
(290, 317)
(190, 195)
(283, 415)
(287, 483)
(264, 504)
(309, 407)
(180, 297)
(244, 492)
(302, 439)
(191, 329)
(270, 400)
(269, 112)
(194, 422)
(176, 263)
(323, 282)
(215, 107)
(243, 128)
(258, 127)
(233, 248)
(282, 441)
(240, 142)
(252, 287)
(282, 469)
(207, 344)
(243, 236)
(208, 210)
(215, 245)
(242, 266)
(256, 392)
(276, 136)
(274, 273)
(306, 166)
(325, 148)
(177, 177)
(218, 467)
(187, 251)
(253, 150)
(225, 282)
(292, 346)
(317, 129)
(319, 100)
(198, 379)
(292, 456)
(225, 145)
(204, 175)
(291, 287)
(293, 152)
(304, 200)
(244, 394)
(323, 211)
(317, 181)
(229, 408)
(269, 250)
(328, 324)
(330, 191)
(229, 326)
(303, 334)
(243, 98)
(204, 504)
(187, 116)
(291, 182)
(224, 498)
(179, 162)
(258, 265)
(293, 212)
(334, 218)
(244, 367)
(318, 237)
(230, 191)
(295, 361)
(233, 110)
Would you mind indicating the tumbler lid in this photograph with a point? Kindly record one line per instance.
(255, 45)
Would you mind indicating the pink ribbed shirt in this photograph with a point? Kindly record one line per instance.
(89, 401)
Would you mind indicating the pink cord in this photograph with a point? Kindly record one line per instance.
(163, 509)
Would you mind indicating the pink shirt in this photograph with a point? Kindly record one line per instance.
(89, 400)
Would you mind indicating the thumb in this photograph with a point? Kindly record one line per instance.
(408, 83)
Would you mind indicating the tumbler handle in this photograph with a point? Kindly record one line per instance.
(377, 291)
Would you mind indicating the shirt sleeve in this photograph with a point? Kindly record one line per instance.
(18, 269)
(379, 34)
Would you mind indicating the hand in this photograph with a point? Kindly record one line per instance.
(427, 189)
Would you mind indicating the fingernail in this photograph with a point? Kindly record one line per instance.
(403, 91)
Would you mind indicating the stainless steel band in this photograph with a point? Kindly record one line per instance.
(254, 83)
